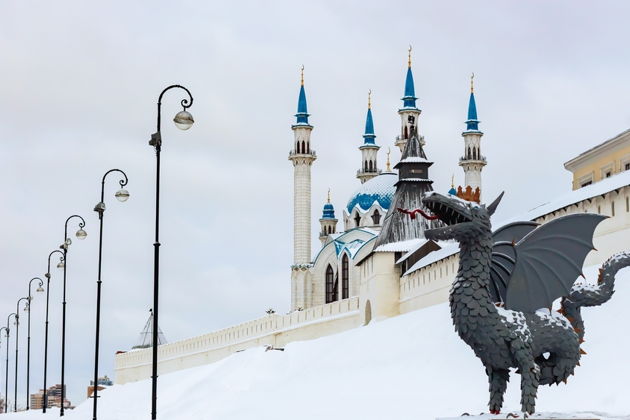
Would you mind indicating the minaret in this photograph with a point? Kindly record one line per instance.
(369, 149)
(472, 162)
(328, 221)
(302, 157)
(408, 110)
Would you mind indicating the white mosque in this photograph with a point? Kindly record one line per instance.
(333, 273)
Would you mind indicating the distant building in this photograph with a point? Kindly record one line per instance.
(102, 383)
(600, 162)
(54, 398)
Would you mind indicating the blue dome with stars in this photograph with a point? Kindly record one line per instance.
(379, 189)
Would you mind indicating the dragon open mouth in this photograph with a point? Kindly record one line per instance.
(443, 210)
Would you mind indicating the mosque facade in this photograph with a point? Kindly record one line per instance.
(376, 215)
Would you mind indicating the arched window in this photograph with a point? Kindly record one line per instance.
(345, 279)
(303, 147)
(330, 284)
(469, 153)
(365, 164)
(405, 135)
(370, 166)
(357, 219)
(308, 147)
(376, 217)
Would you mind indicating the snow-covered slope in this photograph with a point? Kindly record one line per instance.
(409, 367)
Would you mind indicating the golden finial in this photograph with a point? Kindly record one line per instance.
(389, 168)
(453, 181)
(409, 58)
(302, 76)
(472, 86)
(370, 99)
(329, 195)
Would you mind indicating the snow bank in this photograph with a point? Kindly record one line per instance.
(409, 367)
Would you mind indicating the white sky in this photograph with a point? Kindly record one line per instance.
(80, 82)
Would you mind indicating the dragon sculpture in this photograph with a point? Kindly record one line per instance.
(507, 281)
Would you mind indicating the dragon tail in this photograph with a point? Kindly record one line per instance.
(593, 295)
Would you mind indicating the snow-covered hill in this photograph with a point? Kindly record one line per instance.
(409, 367)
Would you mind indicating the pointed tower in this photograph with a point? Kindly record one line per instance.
(413, 182)
(146, 336)
(409, 113)
(472, 162)
(369, 149)
(328, 221)
(302, 157)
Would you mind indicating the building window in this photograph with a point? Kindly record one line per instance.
(584, 184)
(627, 204)
(599, 209)
(330, 284)
(376, 217)
(626, 167)
(345, 280)
(612, 208)
(357, 219)
(608, 174)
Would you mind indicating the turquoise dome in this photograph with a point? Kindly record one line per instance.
(379, 189)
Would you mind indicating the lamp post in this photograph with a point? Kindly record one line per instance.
(6, 379)
(6, 373)
(122, 195)
(183, 120)
(81, 234)
(60, 265)
(28, 345)
(17, 342)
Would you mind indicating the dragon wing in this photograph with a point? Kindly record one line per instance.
(504, 256)
(549, 260)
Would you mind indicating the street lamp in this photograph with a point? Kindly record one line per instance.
(28, 345)
(6, 379)
(17, 342)
(122, 195)
(183, 120)
(81, 234)
(59, 265)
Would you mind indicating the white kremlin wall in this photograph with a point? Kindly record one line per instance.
(425, 284)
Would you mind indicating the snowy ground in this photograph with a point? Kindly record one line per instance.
(410, 367)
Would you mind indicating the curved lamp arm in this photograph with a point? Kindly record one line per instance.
(47, 275)
(65, 232)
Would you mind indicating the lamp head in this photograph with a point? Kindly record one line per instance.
(183, 120)
(81, 234)
(122, 195)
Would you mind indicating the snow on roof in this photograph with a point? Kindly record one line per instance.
(415, 159)
(449, 248)
(402, 246)
(379, 189)
(599, 188)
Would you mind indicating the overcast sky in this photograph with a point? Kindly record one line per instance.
(79, 85)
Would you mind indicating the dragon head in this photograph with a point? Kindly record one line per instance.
(465, 221)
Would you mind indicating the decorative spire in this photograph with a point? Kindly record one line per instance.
(329, 210)
(368, 136)
(452, 191)
(472, 123)
(409, 100)
(328, 200)
(302, 113)
(388, 164)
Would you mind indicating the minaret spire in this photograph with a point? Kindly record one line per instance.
(409, 113)
(302, 157)
(328, 221)
(369, 149)
(472, 162)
